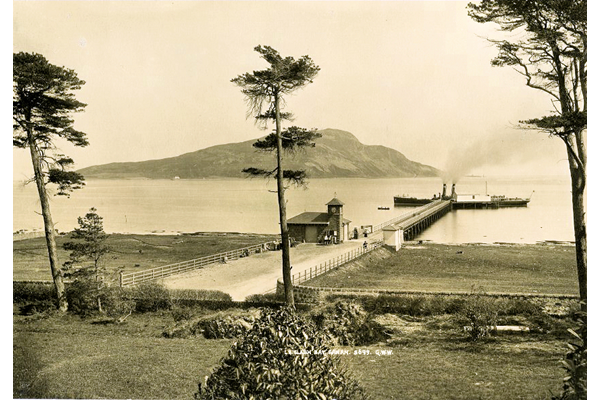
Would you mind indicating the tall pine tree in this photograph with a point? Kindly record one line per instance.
(42, 104)
(265, 91)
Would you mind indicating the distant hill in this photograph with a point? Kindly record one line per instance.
(338, 154)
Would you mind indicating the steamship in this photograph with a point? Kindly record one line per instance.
(504, 201)
(407, 200)
(465, 201)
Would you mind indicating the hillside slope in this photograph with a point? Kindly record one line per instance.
(338, 154)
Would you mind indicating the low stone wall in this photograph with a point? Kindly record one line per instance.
(553, 303)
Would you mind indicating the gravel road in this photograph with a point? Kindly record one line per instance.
(259, 272)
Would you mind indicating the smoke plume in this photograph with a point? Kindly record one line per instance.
(497, 149)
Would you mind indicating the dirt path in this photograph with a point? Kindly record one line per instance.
(258, 273)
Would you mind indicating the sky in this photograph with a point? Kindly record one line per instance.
(414, 76)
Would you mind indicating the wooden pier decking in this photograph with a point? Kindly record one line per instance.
(410, 225)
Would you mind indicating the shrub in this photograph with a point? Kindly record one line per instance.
(517, 307)
(280, 357)
(454, 305)
(264, 298)
(182, 313)
(30, 292)
(115, 303)
(575, 363)
(151, 296)
(203, 295)
(348, 324)
(405, 305)
(224, 327)
(481, 314)
(183, 328)
(37, 307)
(438, 305)
(415, 305)
(82, 296)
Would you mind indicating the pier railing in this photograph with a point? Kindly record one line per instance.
(406, 216)
(132, 278)
(379, 227)
(317, 270)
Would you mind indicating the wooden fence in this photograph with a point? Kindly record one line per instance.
(317, 270)
(126, 279)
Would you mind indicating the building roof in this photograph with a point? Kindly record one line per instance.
(473, 198)
(312, 218)
(335, 202)
(392, 227)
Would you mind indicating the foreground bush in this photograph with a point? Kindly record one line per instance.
(348, 324)
(180, 295)
(150, 296)
(83, 296)
(281, 357)
(24, 292)
(225, 327)
(34, 297)
(481, 313)
(264, 298)
(575, 363)
(222, 325)
(424, 305)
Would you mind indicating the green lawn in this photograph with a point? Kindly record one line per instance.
(68, 357)
(132, 252)
(549, 269)
(432, 360)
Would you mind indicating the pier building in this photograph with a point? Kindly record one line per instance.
(317, 227)
(409, 225)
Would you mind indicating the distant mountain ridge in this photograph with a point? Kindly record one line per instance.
(338, 154)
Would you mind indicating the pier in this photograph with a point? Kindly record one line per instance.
(408, 226)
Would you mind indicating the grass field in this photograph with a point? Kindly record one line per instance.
(131, 252)
(68, 357)
(64, 356)
(542, 268)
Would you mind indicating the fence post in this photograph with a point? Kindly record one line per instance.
(121, 279)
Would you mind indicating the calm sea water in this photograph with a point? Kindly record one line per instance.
(143, 206)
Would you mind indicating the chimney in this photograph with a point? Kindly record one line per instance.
(444, 191)
(453, 195)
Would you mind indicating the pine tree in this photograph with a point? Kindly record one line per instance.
(265, 91)
(42, 102)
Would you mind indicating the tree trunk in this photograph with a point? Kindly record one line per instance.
(48, 225)
(579, 224)
(285, 237)
(574, 141)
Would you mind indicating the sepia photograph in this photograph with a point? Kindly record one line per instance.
(328, 200)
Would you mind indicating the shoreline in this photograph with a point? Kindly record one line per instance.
(24, 234)
(560, 178)
(538, 243)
